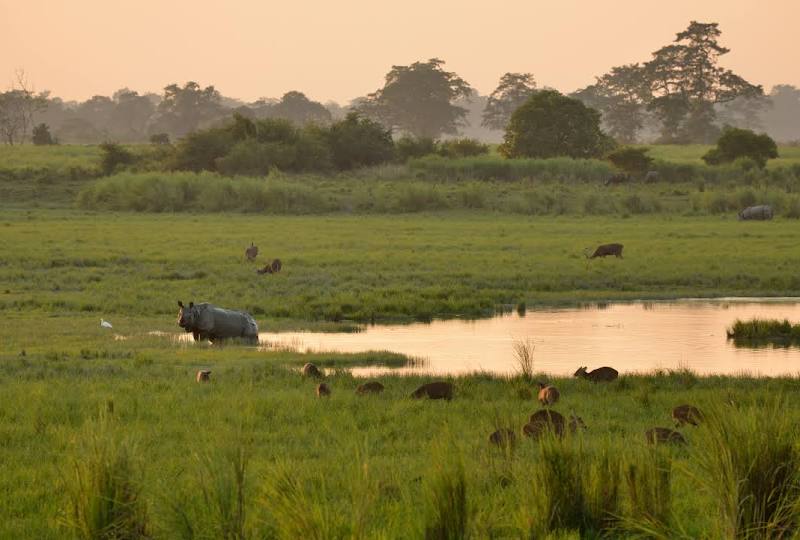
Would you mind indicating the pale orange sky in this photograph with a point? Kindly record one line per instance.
(342, 50)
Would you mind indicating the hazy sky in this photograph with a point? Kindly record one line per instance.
(342, 49)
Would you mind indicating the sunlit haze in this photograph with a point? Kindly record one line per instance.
(342, 50)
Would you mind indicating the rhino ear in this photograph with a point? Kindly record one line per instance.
(180, 304)
(191, 304)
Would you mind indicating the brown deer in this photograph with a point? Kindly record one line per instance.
(204, 375)
(323, 390)
(661, 435)
(251, 253)
(542, 421)
(576, 422)
(503, 437)
(686, 414)
(603, 374)
(372, 387)
(310, 370)
(548, 395)
(434, 390)
(606, 250)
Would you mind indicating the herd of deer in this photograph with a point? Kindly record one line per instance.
(251, 253)
(544, 421)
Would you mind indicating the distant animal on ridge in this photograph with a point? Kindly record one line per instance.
(434, 390)
(548, 395)
(251, 253)
(603, 374)
(686, 414)
(606, 250)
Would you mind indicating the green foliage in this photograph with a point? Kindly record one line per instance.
(735, 143)
(447, 512)
(765, 330)
(408, 146)
(200, 150)
(42, 136)
(418, 99)
(113, 157)
(461, 148)
(359, 142)
(632, 160)
(511, 92)
(550, 124)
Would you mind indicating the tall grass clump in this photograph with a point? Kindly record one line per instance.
(223, 488)
(574, 490)
(765, 330)
(523, 356)
(749, 462)
(104, 498)
(447, 512)
(648, 479)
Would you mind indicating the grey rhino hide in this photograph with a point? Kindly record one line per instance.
(219, 323)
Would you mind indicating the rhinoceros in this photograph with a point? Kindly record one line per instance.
(760, 212)
(206, 321)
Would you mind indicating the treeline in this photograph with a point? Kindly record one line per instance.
(666, 99)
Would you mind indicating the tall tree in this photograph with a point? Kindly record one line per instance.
(782, 119)
(296, 107)
(511, 92)
(623, 94)
(686, 82)
(17, 108)
(184, 109)
(419, 99)
(130, 115)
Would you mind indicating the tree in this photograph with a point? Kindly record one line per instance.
(622, 95)
(130, 115)
(113, 156)
(17, 108)
(550, 124)
(418, 99)
(735, 143)
(183, 110)
(296, 107)
(686, 82)
(357, 142)
(513, 90)
(42, 136)
(782, 120)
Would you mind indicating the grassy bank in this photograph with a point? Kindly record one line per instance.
(763, 331)
(378, 268)
(256, 453)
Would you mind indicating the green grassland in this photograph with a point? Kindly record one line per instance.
(255, 451)
(381, 268)
(692, 153)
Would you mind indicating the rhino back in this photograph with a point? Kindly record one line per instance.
(229, 323)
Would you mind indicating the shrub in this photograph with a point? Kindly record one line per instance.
(114, 156)
(550, 124)
(459, 148)
(407, 147)
(631, 160)
(159, 138)
(358, 142)
(737, 143)
(42, 136)
(200, 150)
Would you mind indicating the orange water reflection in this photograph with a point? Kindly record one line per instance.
(630, 337)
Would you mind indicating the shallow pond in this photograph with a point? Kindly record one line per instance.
(632, 337)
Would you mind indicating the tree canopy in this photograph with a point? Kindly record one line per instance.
(418, 99)
(511, 92)
(550, 124)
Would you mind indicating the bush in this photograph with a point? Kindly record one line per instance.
(200, 150)
(408, 147)
(550, 124)
(159, 138)
(42, 136)
(359, 142)
(735, 143)
(459, 148)
(631, 160)
(113, 156)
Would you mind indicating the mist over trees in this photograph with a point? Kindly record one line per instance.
(681, 94)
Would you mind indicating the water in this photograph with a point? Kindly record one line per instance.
(631, 337)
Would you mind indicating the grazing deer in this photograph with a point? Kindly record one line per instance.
(660, 435)
(323, 390)
(544, 420)
(434, 390)
(686, 414)
(603, 374)
(605, 250)
(251, 253)
(548, 395)
(373, 387)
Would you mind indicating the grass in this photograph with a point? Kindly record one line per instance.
(765, 331)
(255, 453)
(692, 154)
(337, 270)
